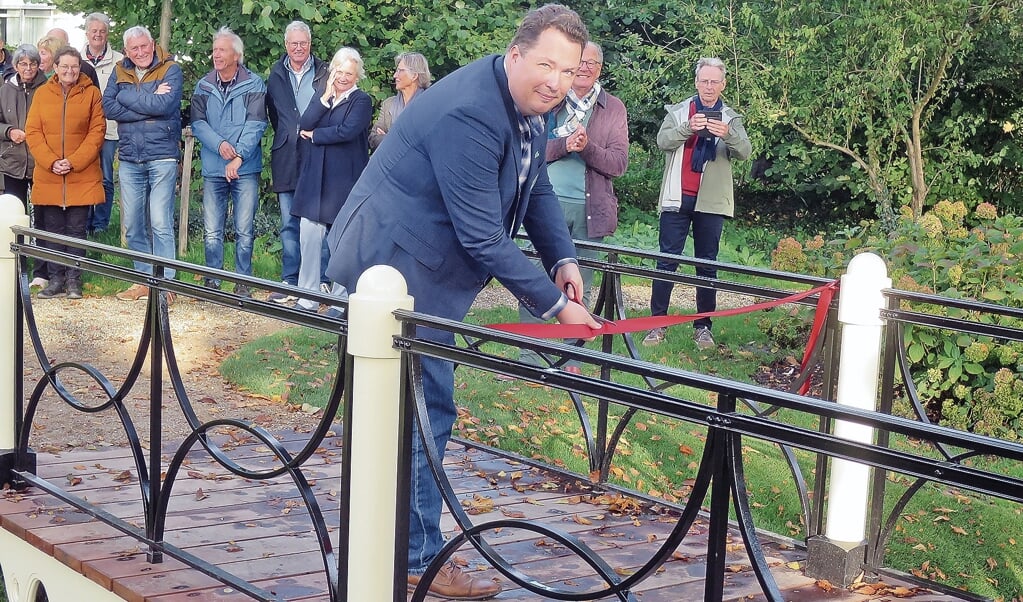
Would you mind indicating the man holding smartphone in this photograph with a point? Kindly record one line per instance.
(700, 137)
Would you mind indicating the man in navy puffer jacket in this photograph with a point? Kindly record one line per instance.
(143, 95)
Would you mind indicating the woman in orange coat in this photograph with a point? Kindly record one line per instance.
(64, 131)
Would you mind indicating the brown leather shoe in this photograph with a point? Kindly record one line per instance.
(137, 292)
(454, 584)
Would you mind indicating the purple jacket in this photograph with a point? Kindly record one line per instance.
(606, 156)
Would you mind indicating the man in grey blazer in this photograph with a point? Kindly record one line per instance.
(453, 180)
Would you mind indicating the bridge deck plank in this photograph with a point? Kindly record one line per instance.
(259, 532)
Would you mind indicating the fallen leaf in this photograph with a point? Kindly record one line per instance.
(124, 476)
(479, 504)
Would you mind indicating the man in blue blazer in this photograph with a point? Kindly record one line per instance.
(439, 201)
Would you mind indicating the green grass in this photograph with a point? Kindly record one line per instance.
(296, 365)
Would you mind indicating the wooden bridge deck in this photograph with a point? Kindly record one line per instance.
(259, 531)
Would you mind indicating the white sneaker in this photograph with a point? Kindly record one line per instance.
(703, 338)
(655, 336)
(281, 297)
(38, 282)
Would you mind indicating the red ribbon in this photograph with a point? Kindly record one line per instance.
(582, 331)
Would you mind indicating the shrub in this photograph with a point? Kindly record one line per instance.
(640, 185)
(967, 382)
(788, 328)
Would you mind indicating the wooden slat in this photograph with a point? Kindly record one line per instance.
(259, 531)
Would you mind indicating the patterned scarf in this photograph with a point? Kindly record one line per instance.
(577, 109)
(705, 148)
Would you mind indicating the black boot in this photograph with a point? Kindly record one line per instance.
(54, 289)
(74, 287)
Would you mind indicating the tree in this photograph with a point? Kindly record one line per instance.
(887, 102)
(449, 34)
(866, 79)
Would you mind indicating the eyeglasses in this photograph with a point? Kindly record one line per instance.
(302, 44)
(25, 65)
(401, 70)
(709, 82)
(69, 68)
(590, 64)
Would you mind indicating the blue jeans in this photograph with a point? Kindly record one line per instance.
(425, 502)
(674, 229)
(291, 255)
(147, 208)
(245, 193)
(99, 215)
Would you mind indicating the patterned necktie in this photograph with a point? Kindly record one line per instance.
(528, 128)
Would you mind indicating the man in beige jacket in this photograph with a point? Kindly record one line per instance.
(700, 137)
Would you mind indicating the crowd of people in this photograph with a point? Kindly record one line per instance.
(529, 139)
(322, 139)
(320, 119)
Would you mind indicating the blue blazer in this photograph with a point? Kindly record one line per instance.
(439, 201)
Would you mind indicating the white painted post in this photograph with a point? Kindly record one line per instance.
(839, 555)
(12, 213)
(376, 397)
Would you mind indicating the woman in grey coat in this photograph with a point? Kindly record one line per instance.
(411, 76)
(15, 98)
(16, 163)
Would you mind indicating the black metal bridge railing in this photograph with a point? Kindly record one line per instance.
(742, 411)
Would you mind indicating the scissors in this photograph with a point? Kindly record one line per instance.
(570, 292)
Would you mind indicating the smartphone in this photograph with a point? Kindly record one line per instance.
(710, 115)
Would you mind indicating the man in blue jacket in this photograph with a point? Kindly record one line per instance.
(439, 201)
(143, 95)
(229, 118)
(297, 78)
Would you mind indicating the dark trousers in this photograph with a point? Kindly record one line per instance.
(19, 187)
(69, 222)
(674, 229)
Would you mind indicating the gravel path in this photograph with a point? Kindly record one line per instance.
(104, 332)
